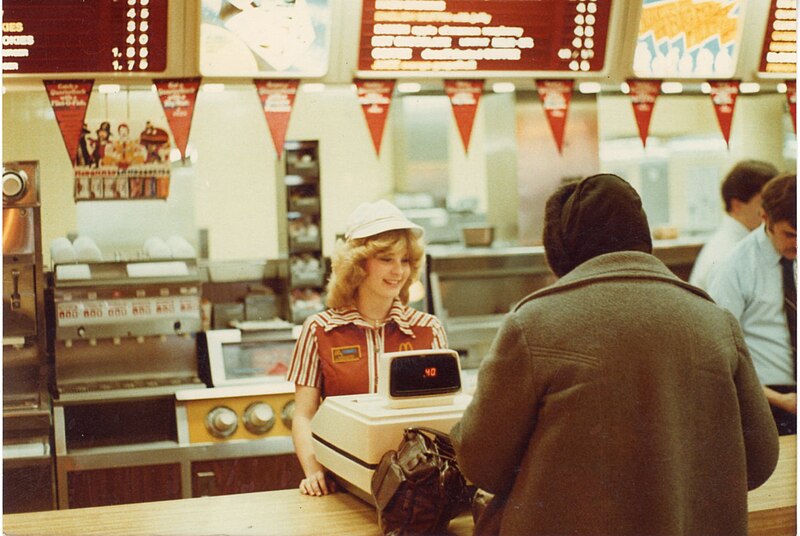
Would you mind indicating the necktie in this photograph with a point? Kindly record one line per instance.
(790, 303)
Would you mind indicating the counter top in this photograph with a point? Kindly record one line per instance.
(287, 512)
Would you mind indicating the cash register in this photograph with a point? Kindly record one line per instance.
(350, 433)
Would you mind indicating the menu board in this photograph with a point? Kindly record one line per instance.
(84, 36)
(440, 36)
(688, 39)
(265, 38)
(779, 53)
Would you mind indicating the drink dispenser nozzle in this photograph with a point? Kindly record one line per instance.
(16, 302)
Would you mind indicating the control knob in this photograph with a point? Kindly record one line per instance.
(259, 418)
(221, 422)
(287, 414)
(15, 184)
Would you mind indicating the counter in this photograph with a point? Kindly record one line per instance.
(772, 512)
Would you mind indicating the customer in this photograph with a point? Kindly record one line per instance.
(337, 352)
(619, 400)
(741, 193)
(752, 283)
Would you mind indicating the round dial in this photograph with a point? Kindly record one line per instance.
(15, 184)
(287, 414)
(259, 418)
(221, 422)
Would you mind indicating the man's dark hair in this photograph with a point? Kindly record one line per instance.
(745, 181)
(600, 214)
(779, 199)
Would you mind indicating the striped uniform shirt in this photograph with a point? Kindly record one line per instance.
(338, 349)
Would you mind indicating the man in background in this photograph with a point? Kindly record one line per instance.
(757, 284)
(619, 400)
(741, 193)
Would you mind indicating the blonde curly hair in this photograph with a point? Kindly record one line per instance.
(348, 264)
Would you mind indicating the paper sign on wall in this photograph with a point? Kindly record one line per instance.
(277, 101)
(464, 96)
(177, 98)
(555, 96)
(69, 99)
(791, 98)
(116, 163)
(643, 97)
(723, 95)
(375, 96)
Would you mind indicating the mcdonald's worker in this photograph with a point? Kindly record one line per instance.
(337, 352)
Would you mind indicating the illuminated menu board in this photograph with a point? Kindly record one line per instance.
(779, 53)
(688, 39)
(84, 36)
(436, 36)
(265, 38)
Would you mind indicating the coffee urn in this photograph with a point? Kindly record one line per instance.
(28, 473)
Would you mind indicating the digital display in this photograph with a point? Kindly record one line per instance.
(84, 36)
(436, 36)
(779, 53)
(424, 375)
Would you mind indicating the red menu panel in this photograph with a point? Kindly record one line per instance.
(779, 52)
(478, 35)
(84, 36)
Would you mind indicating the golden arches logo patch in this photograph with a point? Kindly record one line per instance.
(405, 347)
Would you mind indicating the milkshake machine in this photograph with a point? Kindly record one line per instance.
(28, 481)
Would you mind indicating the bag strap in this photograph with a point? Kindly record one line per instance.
(441, 440)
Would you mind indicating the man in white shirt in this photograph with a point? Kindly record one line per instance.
(741, 193)
(757, 283)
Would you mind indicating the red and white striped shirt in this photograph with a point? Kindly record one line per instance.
(338, 349)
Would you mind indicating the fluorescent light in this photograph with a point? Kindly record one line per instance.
(780, 87)
(589, 87)
(409, 87)
(749, 87)
(671, 88)
(313, 88)
(503, 87)
(625, 88)
(705, 87)
(214, 88)
(108, 88)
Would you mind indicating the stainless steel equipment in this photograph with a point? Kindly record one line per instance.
(125, 342)
(28, 478)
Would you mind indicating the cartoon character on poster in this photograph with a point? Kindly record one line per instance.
(114, 163)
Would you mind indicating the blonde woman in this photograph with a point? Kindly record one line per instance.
(337, 353)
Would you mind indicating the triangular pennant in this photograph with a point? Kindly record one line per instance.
(69, 99)
(375, 96)
(277, 100)
(177, 98)
(791, 98)
(464, 96)
(723, 95)
(555, 96)
(643, 97)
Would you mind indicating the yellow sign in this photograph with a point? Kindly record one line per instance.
(405, 347)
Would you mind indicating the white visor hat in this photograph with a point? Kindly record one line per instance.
(370, 219)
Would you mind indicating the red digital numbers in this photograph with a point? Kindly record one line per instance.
(429, 372)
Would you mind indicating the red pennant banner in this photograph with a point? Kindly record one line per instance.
(464, 96)
(375, 96)
(69, 99)
(277, 100)
(723, 95)
(643, 97)
(555, 95)
(791, 98)
(177, 98)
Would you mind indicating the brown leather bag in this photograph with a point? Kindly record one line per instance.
(418, 488)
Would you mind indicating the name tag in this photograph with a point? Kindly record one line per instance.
(343, 354)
